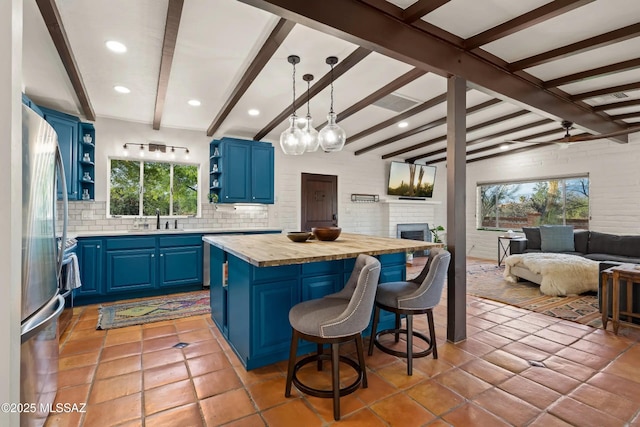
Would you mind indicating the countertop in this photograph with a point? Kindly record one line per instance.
(153, 232)
(267, 250)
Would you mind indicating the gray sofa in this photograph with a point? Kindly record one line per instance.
(589, 244)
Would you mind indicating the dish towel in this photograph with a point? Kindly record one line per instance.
(73, 273)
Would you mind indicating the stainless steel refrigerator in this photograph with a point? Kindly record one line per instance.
(42, 171)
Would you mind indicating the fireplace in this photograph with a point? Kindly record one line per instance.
(414, 232)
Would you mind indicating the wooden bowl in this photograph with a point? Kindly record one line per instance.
(326, 233)
(298, 236)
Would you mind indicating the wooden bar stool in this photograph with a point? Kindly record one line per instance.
(409, 298)
(335, 319)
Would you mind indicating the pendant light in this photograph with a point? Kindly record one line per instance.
(309, 134)
(332, 137)
(291, 139)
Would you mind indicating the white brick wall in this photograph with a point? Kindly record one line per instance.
(409, 212)
(614, 172)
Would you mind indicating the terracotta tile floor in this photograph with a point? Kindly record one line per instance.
(134, 377)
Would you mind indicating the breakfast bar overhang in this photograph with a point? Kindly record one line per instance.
(256, 279)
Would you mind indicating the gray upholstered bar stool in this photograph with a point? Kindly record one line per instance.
(409, 298)
(335, 319)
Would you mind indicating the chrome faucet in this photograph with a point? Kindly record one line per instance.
(158, 219)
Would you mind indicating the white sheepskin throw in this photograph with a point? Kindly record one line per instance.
(561, 274)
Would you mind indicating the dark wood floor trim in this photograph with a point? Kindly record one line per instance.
(273, 42)
(53, 21)
(342, 67)
(172, 25)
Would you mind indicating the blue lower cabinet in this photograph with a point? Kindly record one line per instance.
(319, 286)
(180, 266)
(90, 256)
(131, 270)
(218, 288)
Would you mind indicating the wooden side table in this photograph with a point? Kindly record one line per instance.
(631, 274)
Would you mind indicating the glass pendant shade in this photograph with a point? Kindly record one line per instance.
(310, 136)
(332, 137)
(291, 140)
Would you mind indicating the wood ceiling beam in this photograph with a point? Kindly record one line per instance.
(601, 40)
(626, 116)
(53, 21)
(420, 9)
(522, 22)
(401, 81)
(507, 153)
(439, 99)
(493, 136)
(171, 27)
(270, 46)
(490, 147)
(425, 127)
(338, 70)
(478, 126)
(615, 105)
(423, 50)
(595, 72)
(605, 91)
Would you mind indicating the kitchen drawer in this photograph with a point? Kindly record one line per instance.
(182, 240)
(131, 243)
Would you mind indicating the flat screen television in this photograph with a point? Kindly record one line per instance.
(411, 180)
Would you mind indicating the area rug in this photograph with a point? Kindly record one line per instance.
(168, 307)
(485, 280)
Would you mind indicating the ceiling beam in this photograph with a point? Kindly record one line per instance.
(172, 24)
(494, 136)
(605, 91)
(478, 126)
(401, 81)
(342, 67)
(53, 21)
(491, 147)
(423, 50)
(633, 115)
(522, 22)
(601, 40)
(270, 46)
(507, 153)
(439, 99)
(425, 127)
(615, 105)
(420, 9)
(595, 72)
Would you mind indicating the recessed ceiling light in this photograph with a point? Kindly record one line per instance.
(403, 124)
(121, 89)
(254, 112)
(115, 46)
(194, 102)
(504, 146)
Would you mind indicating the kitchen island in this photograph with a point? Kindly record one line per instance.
(256, 279)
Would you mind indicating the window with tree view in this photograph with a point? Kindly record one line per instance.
(138, 188)
(514, 205)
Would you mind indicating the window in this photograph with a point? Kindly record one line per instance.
(513, 205)
(138, 188)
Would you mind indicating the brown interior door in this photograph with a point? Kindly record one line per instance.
(319, 201)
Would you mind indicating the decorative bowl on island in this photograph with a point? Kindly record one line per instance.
(326, 233)
(298, 236)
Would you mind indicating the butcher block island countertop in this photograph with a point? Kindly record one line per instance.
(268, 250)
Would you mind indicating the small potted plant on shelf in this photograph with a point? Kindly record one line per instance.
(213, 198)
(436, 237)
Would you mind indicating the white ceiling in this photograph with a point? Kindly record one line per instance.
(218, 39)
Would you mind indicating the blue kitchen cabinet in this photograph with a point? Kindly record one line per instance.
(66, 126)
(241, 171)
(180, 260)
(131, 270)
(90, 254)
(29, 103)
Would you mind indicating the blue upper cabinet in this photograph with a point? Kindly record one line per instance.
(242, 171)
(66, 126)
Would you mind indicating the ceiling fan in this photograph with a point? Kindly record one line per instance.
(568, 138)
